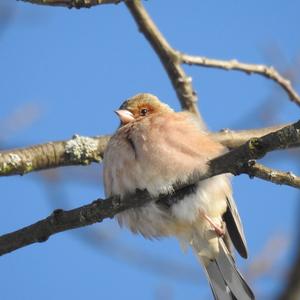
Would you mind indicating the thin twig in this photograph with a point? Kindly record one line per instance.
(86, 150)
(268, 72)
(167, 55)
(235, 162)
(253, 169)
(73, 3)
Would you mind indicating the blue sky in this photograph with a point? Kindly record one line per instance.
(65, 71)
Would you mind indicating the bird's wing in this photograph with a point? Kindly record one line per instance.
(235, 227)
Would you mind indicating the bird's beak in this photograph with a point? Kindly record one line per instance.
(125, 116)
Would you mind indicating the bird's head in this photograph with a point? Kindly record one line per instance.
(140, 106)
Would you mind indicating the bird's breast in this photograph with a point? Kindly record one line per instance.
(156, 157)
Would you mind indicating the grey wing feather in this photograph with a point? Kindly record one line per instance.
(235, 228)
(217, 283)
(232, 276)
(225, 280)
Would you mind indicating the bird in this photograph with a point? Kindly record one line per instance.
(156, 149)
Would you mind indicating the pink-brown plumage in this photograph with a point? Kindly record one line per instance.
(155, 148)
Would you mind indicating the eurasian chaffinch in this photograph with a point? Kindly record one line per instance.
(156, 148)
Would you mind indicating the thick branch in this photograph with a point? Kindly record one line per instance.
(235, 162)
(77, 151)
(85, 150)
(73, 3)
(268, 72)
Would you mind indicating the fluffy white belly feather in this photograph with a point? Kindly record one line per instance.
(155, 220)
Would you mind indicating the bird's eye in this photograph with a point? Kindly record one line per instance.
(144, 111)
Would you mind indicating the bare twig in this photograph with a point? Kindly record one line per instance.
(172, 59)
(268, 72)
(168, 56)
(85, 150)
(235, 162)
(254, 169)
(73, 3)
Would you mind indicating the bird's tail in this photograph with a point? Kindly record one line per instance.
(225, 280)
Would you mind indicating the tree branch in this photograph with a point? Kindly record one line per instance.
(232, 139)
(167, 55)
(253, 169)
(172, 59)
(268, 72)
(85, 150)
(235, 162)
(77, 151)
(73, 3)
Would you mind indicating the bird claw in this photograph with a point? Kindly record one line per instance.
(218, 229)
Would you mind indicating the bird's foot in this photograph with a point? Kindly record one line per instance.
(218, 229)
